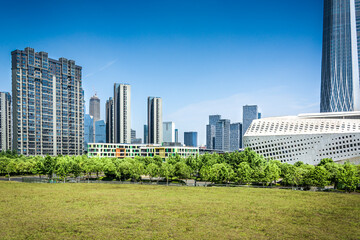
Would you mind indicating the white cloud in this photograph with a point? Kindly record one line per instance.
(277, 101)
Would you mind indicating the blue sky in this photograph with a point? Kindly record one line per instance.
(202, 57)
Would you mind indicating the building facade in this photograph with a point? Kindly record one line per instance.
(48, 104)
(100, 131)
(340, 56)
(250, 113)
(118, 115)
(5, 122)
(169, 132)
(140, 150)
(88, 130)
(235, 136)
(307, 137)
(222, 135)
(191, 139)
(133, 134)
(146, 132)
(109, 118)
(122, 113)
(176, 135)
(211, 131)
(94, 108)
(155, 125)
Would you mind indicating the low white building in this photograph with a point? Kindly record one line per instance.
(120, 150)
(307, 137)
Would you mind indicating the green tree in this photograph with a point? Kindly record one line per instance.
(49, 166)
(152, 170)
(166, 171)
(182, 171)
(63, 167)
(318, 177)
(244, 173)
(348, 177)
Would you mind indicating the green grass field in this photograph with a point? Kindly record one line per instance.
(109, 211)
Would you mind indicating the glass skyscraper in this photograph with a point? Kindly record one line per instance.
(340, 56)
(190, 139)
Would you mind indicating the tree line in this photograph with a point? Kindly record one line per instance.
(245, 167)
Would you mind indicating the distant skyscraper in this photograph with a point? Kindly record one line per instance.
(109, 111)
(177, 135)
(133, 134)
(235, 136)
(48, 104)
(100, 131)
(146, 136)
(118, 115)
(190, 139)
(250, 112)
(222, 135)
(88, 130)
(340, 56)
(95, 108)
(5, 122)
(168, 132)
(210, 131)
(155, 131)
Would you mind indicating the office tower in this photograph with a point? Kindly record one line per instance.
(133, 134)
(5, 122)
(250, 113)
(210, 131)
(259, 115)
(109, 118)
(100, 131)
(168, 132)
(235, 136)
(176, 135)
(146, 136)
(122, 113)
(340, 56)
(95, 108)
(190, 139)
(88, 130)
(118, 115)
(222, 135)
(155, 131)
(48, 104)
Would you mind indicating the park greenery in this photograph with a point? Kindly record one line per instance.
(245, 167)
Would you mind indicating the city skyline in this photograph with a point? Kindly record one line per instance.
(224, 43)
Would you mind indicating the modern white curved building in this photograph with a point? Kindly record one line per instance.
(307, 137)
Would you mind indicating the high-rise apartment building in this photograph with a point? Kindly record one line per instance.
(222, 135)
(48, 104)
(95, 108)
(190, 139)
(109, 118)
(235, 136)
(155, 130)
(210, 131)
(250, 113)
(168, 131)
(340, 56)
(118, 115)
(146, 136)
(100, 131)
(5, 122)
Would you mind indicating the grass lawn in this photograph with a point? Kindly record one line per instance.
(109, 211)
